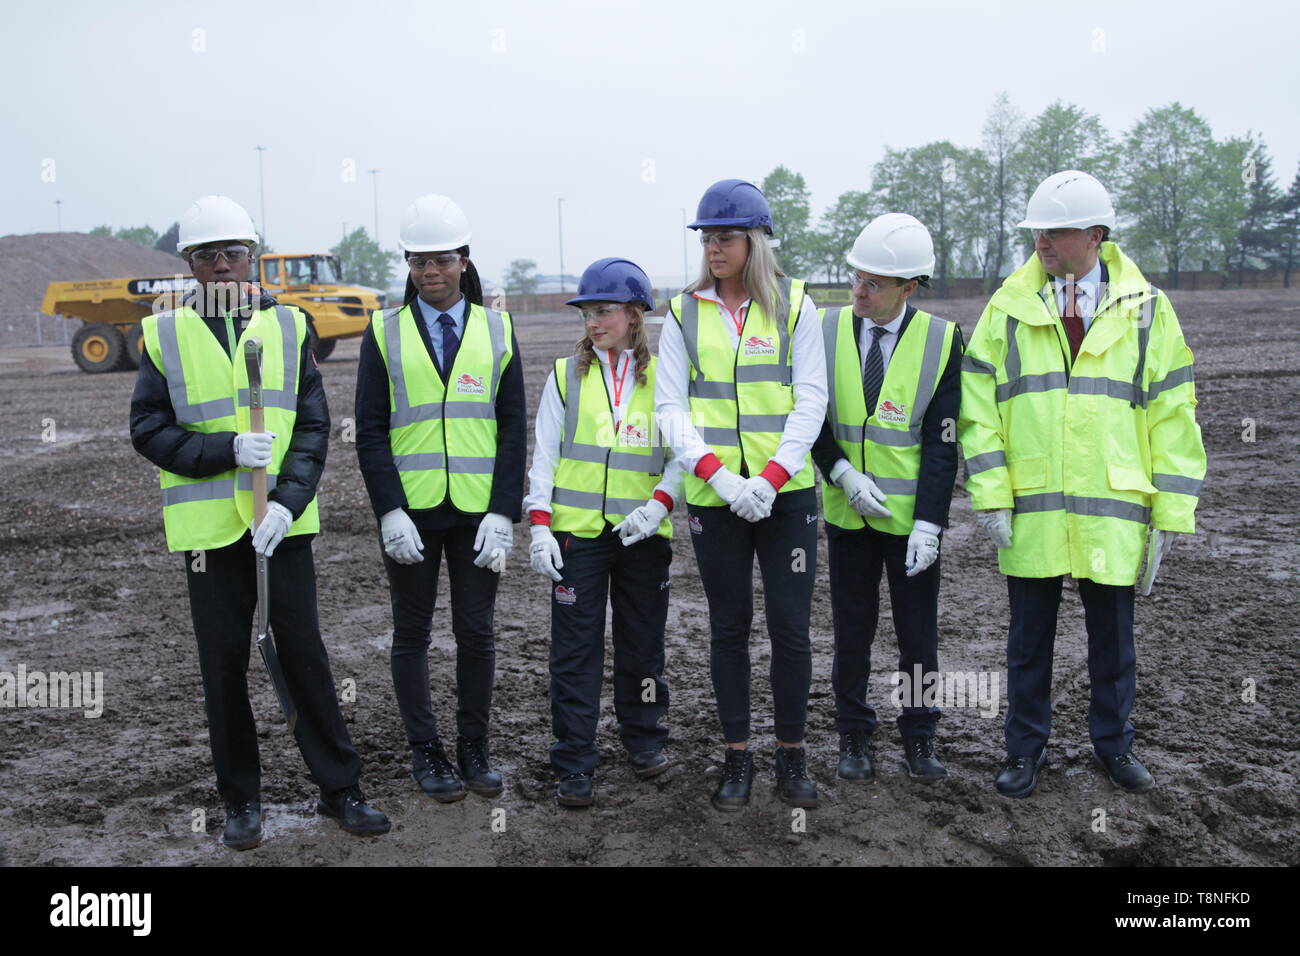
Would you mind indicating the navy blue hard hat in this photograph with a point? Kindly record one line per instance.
(614, 280)
(733, 202)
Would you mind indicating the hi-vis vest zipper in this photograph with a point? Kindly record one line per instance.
(740, 397)
(1088, 452)
(444, 434)
(885, 441)
(209, 394)
(602, 476)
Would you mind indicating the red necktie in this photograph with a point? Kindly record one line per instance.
(1072, 320)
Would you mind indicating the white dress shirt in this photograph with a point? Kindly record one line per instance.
(430, 314)
(802, 425)
(550, 431)
(1086, 297)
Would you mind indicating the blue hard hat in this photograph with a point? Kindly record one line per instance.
(733, 202)
(614, 280)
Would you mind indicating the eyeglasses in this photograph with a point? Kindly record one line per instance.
(445, 261)
(871, 285)
(600, 312)
(1052, 235)
(723, 239)
(234, 254)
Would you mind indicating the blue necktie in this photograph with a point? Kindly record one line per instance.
(873, 371)
(449, 342)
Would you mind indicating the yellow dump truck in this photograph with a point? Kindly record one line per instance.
(110, 310)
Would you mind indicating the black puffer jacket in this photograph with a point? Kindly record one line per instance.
(155, 434)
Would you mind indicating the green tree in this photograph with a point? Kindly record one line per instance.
(840, 225)
(1168, 161)
(787, 194)
(167, 241)
(1259, 239)
(141, 235)
(1288, 254)
(521, 277)
(102, 231)
(362, 260)
(996, 205)
(1226, 211)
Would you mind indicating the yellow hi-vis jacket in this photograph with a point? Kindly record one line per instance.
(740, 397)
(444, 434)
(601, 476)
(1089, 453)
(209, 394)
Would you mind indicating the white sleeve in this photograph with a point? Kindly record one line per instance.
(673, 480)
(672, 405)
(804, 423)
(546, 448)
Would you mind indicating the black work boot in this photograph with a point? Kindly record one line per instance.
(649, 763)
(1126, 772)
(737, 778)
(243, 829)
(575, 790)
(855, 762)
(472, 755)
(922, 764)
(1019, 775)
(792, 783)
(352, 812)
(434, 772)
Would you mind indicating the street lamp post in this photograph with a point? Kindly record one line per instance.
(686, 275)
(261, 189)
(559, 213)
(58, 212)
(374, 179)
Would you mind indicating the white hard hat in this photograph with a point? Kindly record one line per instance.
(894, 244)
(433, 223)
(1069, 200)
(214, 219)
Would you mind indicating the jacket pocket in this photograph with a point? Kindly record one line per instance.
(1122, 478)
(1028, 472)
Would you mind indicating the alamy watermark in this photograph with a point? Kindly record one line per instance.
(980, 690)
(68, 690)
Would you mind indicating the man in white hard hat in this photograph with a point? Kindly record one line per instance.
(889, 452)
(441, 440)
(1079, 428)
(190, 417)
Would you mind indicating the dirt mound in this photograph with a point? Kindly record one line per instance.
(34, 261)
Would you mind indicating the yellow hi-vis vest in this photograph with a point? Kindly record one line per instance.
(1090, 452)
(209, 394)
(444, 434)
(602, 476)
(884, 442)
(740, 397)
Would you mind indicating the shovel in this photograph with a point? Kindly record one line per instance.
(265, 642)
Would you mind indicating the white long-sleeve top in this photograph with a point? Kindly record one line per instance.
(802, 426)
(550, 431)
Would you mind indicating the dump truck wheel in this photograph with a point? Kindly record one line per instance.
(98, 347)
(134, 348)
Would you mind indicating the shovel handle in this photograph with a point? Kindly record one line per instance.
(257, 419)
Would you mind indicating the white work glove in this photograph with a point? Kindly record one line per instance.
(275, 525)
(544, 553)
(401, 541)
(641, 523)
(754, 503)
(727, 484)
(997, 523)
(253, 449)
(1158, 547)
(922, 551)
(864, 496)
(493, 542)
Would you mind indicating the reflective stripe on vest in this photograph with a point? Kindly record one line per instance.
(884, 442)
(443, 435)
(209, 394)
(740, 397)
(602, 477)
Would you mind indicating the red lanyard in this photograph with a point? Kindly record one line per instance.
(739, 323)
(618, 387)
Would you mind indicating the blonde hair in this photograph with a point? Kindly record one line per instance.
(759, 276)
(584, 352)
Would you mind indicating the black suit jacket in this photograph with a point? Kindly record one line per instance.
(938, 434)
(375, 451)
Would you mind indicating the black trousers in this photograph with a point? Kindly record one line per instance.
(635, 579)
(786, 546)
(856, 561)
(223, 600)
(414, 589)
(1112, 664)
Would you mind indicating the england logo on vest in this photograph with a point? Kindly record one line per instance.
(754, 345)
(695, 524)
(635, 437)
(565, 595)
(887, 411)
(467, 384)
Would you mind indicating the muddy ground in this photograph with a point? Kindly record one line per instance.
(87, 585)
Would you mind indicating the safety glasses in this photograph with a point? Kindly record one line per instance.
(722, 239)
(444, 261)
(233, 254)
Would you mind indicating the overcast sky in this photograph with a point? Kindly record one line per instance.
(626, 110)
